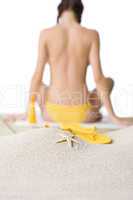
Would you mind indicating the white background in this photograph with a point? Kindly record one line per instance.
(20, 24)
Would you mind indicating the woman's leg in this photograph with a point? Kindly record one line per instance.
(95, 115)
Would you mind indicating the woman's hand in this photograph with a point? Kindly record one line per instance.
(123, 121)
(11, 118)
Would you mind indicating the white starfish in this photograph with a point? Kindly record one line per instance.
(67, 137)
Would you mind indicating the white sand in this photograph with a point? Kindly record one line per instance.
(33, 166)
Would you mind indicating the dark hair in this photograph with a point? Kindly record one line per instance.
(75, 5)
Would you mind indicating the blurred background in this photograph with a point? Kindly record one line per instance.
(20, 24)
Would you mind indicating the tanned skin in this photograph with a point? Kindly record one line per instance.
(70, 49)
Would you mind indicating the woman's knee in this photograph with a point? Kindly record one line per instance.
(94, 117)
(110, 84)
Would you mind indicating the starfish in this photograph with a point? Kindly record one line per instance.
(67, 137)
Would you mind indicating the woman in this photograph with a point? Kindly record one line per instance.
(69, 49)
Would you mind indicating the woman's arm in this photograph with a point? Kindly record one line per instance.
(41, 61)
(36, 78)
(104, 85)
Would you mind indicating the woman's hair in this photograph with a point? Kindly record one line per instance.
(75, 5)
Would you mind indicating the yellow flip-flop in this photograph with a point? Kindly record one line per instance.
(90, 135)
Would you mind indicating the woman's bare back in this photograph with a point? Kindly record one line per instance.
(68, 50)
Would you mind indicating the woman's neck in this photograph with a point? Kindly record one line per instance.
(68, 18)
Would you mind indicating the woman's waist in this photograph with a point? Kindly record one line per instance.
(68, 107)
(67, 96)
